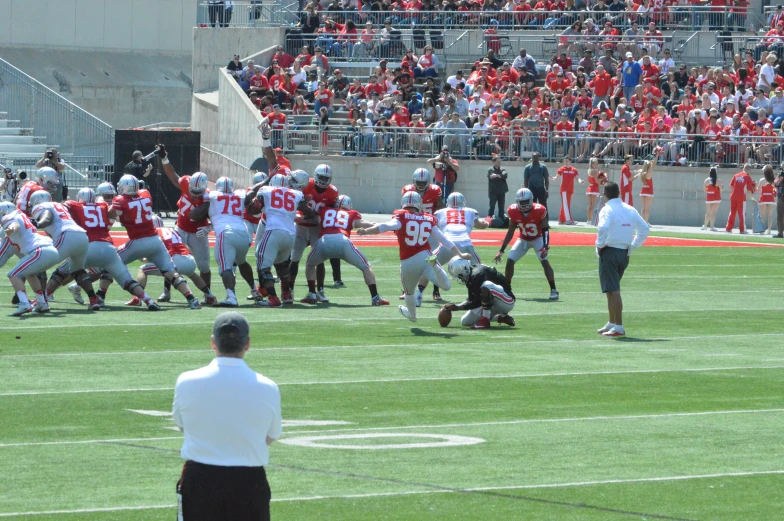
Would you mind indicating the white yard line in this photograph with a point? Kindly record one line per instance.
(444, 490)
(425, 379)
(84, 442)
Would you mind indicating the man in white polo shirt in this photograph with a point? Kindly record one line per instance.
(620, 231)
(230, 415)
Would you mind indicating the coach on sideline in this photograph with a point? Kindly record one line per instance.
(620, 231)
(230, 415)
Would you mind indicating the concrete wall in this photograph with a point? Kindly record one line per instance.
(213, 48)
(129, 25)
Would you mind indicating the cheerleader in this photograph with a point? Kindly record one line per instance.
(646, 175)
(713, 188)
(595, 178)
(767, 198)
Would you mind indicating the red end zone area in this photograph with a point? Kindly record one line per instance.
(495, 237)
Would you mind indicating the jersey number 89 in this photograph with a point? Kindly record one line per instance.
(336, 219)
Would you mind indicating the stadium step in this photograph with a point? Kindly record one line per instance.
(6, 139)
(7, 123)
(13, 131)
(22, 149)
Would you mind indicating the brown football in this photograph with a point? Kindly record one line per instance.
(444, 317)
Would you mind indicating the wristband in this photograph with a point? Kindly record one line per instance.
(266, 143)
(501, 251)
(165, 160)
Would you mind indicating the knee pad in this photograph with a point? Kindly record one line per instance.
(283, 269)
(78, 276)
(266, 275)
(131, 285)
(178, 281)
(106, 276)
(57, 276)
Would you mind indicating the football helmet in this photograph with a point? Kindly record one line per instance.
(85, 195)
(344, 203)
(525, 200)
(128, 185)
(278, 180)
(106, 190)
(39, 197)
(258, 177)
(6, 208)
(322, 176)
(422, 179)
(157, 221)
(412, 200)
(455, 200)
(459, 269)
(224, 185)
(48, 178)
(197, 184)
(298, 179)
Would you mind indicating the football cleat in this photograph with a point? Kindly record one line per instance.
(272, 302)
(404, 311)
(321, 296)
(41, 308)
(211, 300)
(338, 284)
(76, 292)
(94, 305)
(506, 319)
(403, 296)
(484, 323)
(21, 310)
(436, 294)
(287, 297)
(165, 297)
(101, 302)
(230, 302)
(310, 298)
(255, 294)
(431, 259)
(553, 295)
(133, 302)
(194, 304)
(604, 329)
(614, 332)
(378, 301)
(49, 297)
(153, 306)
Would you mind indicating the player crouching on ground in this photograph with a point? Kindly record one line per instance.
(414, 229)
(489, 294)
(335, 243)
(531, 219)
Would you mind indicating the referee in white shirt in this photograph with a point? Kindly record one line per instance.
(230, 415)
(621, 230)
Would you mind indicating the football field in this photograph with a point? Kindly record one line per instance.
(389, 420)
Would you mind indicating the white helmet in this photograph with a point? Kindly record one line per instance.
(85, 195)
(455, 200)
(157, 221)
(39, 197)
(48, 178)
(344, 203)
(278, 180)
(298, 179)
(459, 269)
(106, 190)
(197, 184)
(6, 208)
(224, 185)
(422, 179)
(525, 200)
(322, 176)
(258, 177)
(412, 200)
(128, 185)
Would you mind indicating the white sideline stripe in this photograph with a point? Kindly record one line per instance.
(85, 442)
(426, 379)
(403, 346)
(431, 491)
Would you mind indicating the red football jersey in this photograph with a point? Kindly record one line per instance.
(568, 175)
(173, 242)
(135, 213)
(184, 206)
(23, 198)
(429, 198)
(414, 232)
(740, 183)
(529, 224)
(337, 221)
(318, 200)
(93, 218)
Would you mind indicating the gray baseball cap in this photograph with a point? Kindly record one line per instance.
(231, 325)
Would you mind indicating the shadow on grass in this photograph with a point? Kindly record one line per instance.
(417, 331)
(631, 339)
(539, 300)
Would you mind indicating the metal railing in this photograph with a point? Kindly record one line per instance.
(247, 14)
(726, 47)
(80, 171)
(73, 130)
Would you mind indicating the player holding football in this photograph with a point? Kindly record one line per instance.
(133, 207)
(531, 219)
(489, 295)
(414, 228)
(334, 242)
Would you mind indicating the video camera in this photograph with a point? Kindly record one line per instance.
(10, 174)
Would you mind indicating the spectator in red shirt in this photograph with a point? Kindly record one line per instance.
(564, 62)
(323, 98)
(601, 84)
(427, 66)
(317, 60)
(284, 59)
(259, 84)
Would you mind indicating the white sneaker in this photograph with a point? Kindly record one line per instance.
(50, 297)
(404, 311)
(22, 309)
(418, 298)
(310, 298)
(321, 296)
(744, 232)
(713, 229)
(604, 329)
(165, 297)
(230, 302)
(615, 331)
(42, 308)
(704, 227)
(553, 295)
(194, 304)
(76, 292)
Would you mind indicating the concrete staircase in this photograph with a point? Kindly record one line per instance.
(17, 142)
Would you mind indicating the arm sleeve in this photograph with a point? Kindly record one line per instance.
(176, 413)
(390, 226)
(276, 429)
(603, 228)
(440, 237)
(641, 230)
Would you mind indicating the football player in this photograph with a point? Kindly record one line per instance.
(133, 207)
(414, 228)
(69, 238)
(280, 205)
(489, 294)
(275, 166)
(456, 222)
(334, 242)
(39, 254)
(225, 206)
(432, 201)
(47, 180)
(195, 234)
(531, 219)
(252, 222)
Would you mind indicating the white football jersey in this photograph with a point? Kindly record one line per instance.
(226, 210)
(280, 207)
(26, 239)
(457, 224)
(62, 221)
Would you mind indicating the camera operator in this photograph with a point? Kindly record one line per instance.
(446, 171)
(779, 184)
(138, 167)
(51, 159)
(9, 185)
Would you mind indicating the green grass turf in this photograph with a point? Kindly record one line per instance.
(575, 427)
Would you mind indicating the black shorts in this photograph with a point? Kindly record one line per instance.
(612, 264)
(213, 493)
